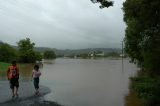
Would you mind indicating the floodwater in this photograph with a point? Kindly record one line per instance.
(87, 82)
(84, 82)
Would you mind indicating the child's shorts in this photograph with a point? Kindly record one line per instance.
(14, 83)
(36, 83)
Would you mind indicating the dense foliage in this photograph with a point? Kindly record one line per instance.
(7, 53)
(49, 54)
(142, 43)
(104, 3)
(26, 52)
(147, 89)
(142, 37)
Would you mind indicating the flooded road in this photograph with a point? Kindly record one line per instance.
(87, 82)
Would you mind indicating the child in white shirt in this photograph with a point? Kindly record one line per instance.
(35, 75)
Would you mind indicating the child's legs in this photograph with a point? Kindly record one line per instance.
(12, 86)
(16, 91)
(12, 91)
(36, 83)
(16, 87)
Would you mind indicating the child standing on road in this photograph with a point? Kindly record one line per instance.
(35, 75)
(13, 77)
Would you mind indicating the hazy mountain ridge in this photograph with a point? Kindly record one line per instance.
(73, 51)
(78, 51)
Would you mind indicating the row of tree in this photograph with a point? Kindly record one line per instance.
(142, 38)
(25, 52)
(142, 43)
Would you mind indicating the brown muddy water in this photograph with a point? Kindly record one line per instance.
(88, 82)
(85, 82)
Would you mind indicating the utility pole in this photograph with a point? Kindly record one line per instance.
(122, 57)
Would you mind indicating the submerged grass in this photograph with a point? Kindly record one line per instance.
(3, 66)
(132, 100)
(147, 89)
(24, 69)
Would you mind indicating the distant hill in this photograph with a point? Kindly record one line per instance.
(78, 51)
(42, 49)
(73, 51)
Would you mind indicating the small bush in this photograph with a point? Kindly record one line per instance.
(148, 89)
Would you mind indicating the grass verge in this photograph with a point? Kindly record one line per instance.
(147, 88)
(3, 66)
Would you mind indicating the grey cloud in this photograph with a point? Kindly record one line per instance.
(63, 24)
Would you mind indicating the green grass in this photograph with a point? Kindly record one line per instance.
(147, 89)
(3, 66)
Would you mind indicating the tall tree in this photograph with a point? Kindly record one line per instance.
(142, 38)
(26, 53)
(49, 54)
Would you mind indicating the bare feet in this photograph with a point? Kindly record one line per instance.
(16, 95)
(37, 93)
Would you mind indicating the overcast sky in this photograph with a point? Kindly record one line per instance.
(62, 24)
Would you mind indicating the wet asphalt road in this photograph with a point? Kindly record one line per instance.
(26, 95)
